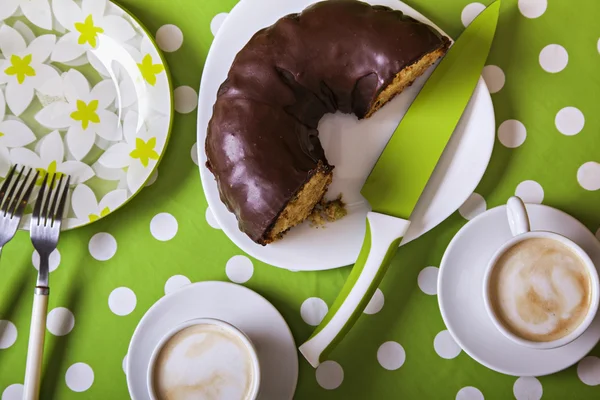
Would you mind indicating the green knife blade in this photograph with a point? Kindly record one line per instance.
(401, 174)
(403, 169)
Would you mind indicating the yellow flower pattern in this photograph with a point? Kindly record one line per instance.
(86, 113)
(88, 31)
(50, 171)
(20, 67)
(149, 70)
(144, 151)
(103, 213)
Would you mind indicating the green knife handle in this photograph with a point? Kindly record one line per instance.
(382, 238)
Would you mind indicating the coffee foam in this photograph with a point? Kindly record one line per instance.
(540, 290)
(204, 361)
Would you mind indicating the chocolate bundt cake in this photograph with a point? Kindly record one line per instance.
(262, 143)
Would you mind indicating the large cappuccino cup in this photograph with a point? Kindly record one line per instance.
(541, 290)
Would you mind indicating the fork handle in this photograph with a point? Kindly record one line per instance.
(35, 350)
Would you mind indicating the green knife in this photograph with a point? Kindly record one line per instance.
(401, 174)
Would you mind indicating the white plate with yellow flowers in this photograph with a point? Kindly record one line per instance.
(84, 91)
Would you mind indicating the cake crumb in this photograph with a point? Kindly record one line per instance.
(327, 211)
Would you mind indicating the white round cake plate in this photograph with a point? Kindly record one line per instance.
(87, 95)
(460, 293)
(352, 146)
(235, 304)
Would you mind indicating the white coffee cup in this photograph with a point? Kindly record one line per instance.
(520, 228)
(230, 329)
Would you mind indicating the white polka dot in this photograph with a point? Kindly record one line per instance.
(598, 45)
(122, 301)
(376, 303)
(527, 388)
(530, 192)
(163, 227)
(194, 153)
(474, 206)
(588, 370)
(169, 38)
(13, 392)
(60, 321)
(124, 364)
(8, 334)
(470, 12)
(313, 310)
(427, 280)
(53, 263)
(102, 246)
(445, 346)
(79, 377)
(152, 178)
(330, 375)
(532, 8)
(391, 355)
(211, 220)
(512, 133)
(569, 121)
(186, 99)
(239, 269)
(554, 58)
(588, 176)
(216, 22)
(494, 78)
(176, 282)
(469, 393)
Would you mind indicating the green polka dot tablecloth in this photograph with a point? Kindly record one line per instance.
(543, 75)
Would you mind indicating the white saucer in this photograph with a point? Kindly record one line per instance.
(241, 307)
(461, 300)
(352, 146)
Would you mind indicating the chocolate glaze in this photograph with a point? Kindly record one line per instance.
(262, 143)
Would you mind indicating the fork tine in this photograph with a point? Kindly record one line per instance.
(38, 204)
(7, 182)
(15, 201)
(63, 199)
(6, 204)
(56, 195)
(23, 203)
(47, 215)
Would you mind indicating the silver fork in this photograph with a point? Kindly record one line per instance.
(13, 201)
(45, 230)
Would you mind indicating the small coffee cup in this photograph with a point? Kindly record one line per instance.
(534, 304)
(253, 386)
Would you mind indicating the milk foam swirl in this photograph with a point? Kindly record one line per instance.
(204, 361)
(540, 290)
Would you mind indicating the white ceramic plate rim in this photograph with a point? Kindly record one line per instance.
(448, 321)
(342, 252)
(108, 51)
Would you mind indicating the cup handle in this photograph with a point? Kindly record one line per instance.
(518, 220)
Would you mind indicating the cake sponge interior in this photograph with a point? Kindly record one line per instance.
(405, 78)
(302, 204)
